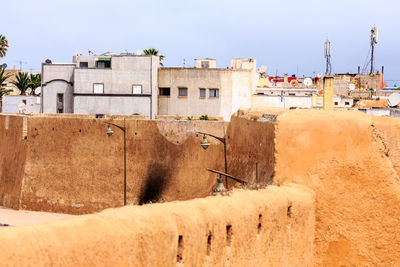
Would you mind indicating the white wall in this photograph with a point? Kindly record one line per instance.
(11, 102)
(265, 101)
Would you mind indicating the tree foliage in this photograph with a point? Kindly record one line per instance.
(3, 46)
(154, 52)
(3, 78)
(35, 82)
(23, 82)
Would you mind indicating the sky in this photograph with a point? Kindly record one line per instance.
(286, 36)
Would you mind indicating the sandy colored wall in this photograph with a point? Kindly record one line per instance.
(263, 232)
(339, 155)
(73, 166)
(12, 159)
(250, 146)
(68, 163)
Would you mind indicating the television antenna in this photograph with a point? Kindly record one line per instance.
(20, 62)
(327, 54)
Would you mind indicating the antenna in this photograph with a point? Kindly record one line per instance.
(374, 41)
(327, 54)
(20, 62)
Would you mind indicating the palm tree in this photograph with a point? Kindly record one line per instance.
(3, 90)
(3, 46)
(22, 82)
(35, 81)
(154, 52)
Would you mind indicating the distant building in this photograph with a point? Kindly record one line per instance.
(207, 90)
(105, 84)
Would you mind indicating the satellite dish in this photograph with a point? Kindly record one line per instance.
(394, 99)
(307, 82)
(38, 90)
(48, 61)
(21, 107)
(352, 86)
(4, 66)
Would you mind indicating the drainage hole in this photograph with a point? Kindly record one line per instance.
(209, 239)
(289, 211)
(259, 224)
(228, 235)
(179, 255)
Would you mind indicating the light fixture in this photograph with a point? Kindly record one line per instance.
(205, 144)
(220, 188)
(109, 131)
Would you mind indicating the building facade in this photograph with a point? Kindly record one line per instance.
(106, 84)
(215, 92)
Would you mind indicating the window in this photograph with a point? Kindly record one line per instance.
(292, 94)
(98, 88)
(136, 89)
(60, 103)
(336, 103)
(205, 64)
(183, 92)
(24, 101)
(214, 92)
(202, 92)
(103, 64)
(165, 91)
(4, 84)
(347, 103)
(83, 64)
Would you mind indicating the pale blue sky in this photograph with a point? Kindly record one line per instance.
(285, 35)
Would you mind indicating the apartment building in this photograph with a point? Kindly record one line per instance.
(106, 84)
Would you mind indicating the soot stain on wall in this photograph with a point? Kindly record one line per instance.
(155, 183)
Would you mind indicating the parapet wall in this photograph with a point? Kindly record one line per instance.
(350, 160)
(270, 227)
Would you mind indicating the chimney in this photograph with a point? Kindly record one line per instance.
(285, 79)
(359, 70)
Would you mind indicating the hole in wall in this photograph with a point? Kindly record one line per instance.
(209, 238)
(228, 235)
(289, 211)
(53, 129)
(259, 224)
(179, 254)
(135, 133)
(80, 130)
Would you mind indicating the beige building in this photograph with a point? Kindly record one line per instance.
(205, 89)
